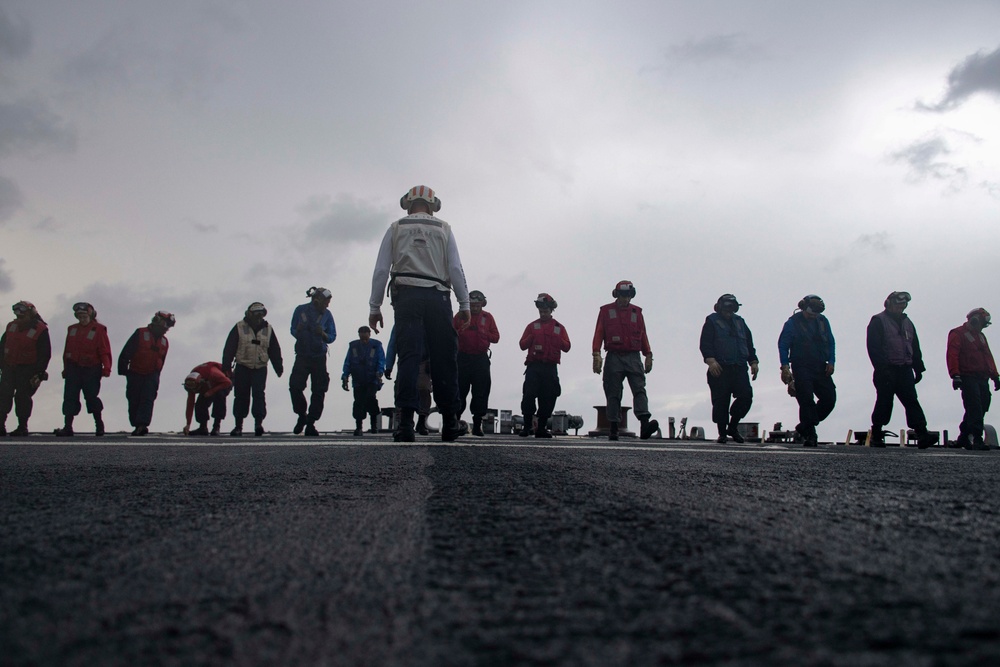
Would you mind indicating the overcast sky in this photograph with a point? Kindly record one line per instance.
(196, 156)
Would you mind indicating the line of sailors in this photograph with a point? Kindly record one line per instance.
(806, 348)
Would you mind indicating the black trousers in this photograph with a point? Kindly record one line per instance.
(16, 391)
(86, 379)
(140, 391)
(890, 382)
(541, 384)
(816, 395)
(365, 401)
(976, 399)
(313, 370)
(217, 402)
(249, 383)
(424, 323)
(733, 383)
(474, 374)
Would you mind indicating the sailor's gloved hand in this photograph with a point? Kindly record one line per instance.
(829, 369)
(598, 363)
(714, 367)
(956, 382)
(754, 368)
(343, 383)
(388, 374)
(786, 374)
(917, 377)
(996, 384)
(648, 366)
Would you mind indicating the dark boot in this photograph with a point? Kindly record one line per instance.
(300, 424)
(722, 434)
(67, 430)
(477, 426)
(404, 429)
(925, 439)
(613, 432)
(358, 430)
(98, 425)
(373, 420)
(452, 429)
(22, 430)
(216, 428)
(648, 428)
(238, 429)
(734, 432)
(526, 428)
(422, 425)
(201, 430)
(878, 437)
(311, 429)
(258, 429)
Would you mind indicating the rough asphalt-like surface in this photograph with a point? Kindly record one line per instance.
(339, 552)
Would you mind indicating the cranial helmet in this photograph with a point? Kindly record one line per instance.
(164, 319)
(420, 193)
(23, 307)
(812, 304)
(980, 314)
(322, 292)
(728, 303)
(624, 288)
(475, 296)
(544, 300)
(192, 380)
(256, 307)
(84, 307)
(897, 298)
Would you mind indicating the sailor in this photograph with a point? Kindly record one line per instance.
(251, 344)
(86, 359)
(141, 361)
(313, 329)
(971, 366)
(545, 340)
(474, 358)
(25, 350)
(727, 348)
(807, 351)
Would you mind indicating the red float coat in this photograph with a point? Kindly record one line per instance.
(969, 353)
(476, 338)
(21, 346)
(544, 341)
(621, 329)
(214, 380)
(88, 346)
(150, 353)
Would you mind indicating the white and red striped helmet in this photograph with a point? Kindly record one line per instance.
(420, 193)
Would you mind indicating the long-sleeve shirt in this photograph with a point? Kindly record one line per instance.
(214, 380)
(273, 349)
(892, 341)
(969, 353)
(313, 330)
(476, 338)
(806, 341)
(384, 264)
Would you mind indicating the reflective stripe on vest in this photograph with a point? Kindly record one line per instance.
(249, 354)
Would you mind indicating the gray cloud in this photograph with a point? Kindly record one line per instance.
(15, 36)
(175, 58)
(30, 126)
(203, 228)
(345, 219)
(10, 199)
(929, 159)
(6, 280)
(861, 250)
(733, 46)
(979, 73)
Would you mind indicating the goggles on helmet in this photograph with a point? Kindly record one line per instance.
(812, 304)
(475, 296)
(256, 307)
(728, 303)
(982, 314)
(321, 292)
(164, 319)
(898, 298)
(82, 307)
(625, 288)
(23, 307)
(545, 301)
